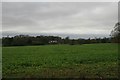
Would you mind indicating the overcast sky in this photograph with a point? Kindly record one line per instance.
(74, 19)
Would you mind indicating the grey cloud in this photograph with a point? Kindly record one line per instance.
(59, 17)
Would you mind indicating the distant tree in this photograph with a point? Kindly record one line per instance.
(104, 40)
(72, 42)
(7, 41)
(67, 40)
(81, 41)
(88, 41)
(0, 42)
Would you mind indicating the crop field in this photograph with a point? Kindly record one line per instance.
(61, 61)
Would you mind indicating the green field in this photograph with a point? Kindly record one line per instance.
(66, 61)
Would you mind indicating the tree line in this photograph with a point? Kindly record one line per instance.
(24, 40)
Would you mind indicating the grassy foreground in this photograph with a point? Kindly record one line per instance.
(66, 61)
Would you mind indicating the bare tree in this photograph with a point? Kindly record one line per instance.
(116, 31)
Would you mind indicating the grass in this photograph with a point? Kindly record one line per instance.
(0, 62)
(66, 61)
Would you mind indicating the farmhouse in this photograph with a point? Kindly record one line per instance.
(53, 41)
